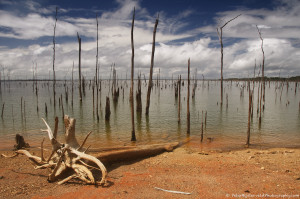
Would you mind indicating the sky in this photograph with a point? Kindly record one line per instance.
(186, 29)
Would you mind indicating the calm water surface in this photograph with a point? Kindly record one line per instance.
(227, 125)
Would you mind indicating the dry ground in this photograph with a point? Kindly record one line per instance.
(207, 174)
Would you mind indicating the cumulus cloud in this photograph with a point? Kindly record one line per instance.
(280, 28)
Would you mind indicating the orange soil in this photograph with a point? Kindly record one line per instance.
(203, 174)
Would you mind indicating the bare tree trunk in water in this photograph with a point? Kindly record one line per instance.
(54, 59)
(262, 67)
(249, 115)
(151, 67)
(188, 100)
(179, 98)
(220, 34)
(133, 138)
(97, 87)
(79, 66)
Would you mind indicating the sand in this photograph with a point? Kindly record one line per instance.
(251, 173)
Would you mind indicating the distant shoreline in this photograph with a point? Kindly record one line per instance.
(294, 78)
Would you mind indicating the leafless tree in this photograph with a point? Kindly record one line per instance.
(151, 67)
(133, 138)
(188, 100)
(54, 58)
(263, 65)
(79, 66)
(220, 34)
(96, 79)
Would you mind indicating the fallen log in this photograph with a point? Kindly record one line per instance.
(72, 156)
(139, 152)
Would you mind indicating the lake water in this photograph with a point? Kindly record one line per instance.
(226, 124)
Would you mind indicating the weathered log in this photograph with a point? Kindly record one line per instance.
(135, 153)
(67, 157)
(70, 132)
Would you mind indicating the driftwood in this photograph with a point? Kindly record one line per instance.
(134, 153)
(66, 157)
(71, 161)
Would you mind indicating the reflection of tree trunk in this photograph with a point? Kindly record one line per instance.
(188, 100)
(132, 75)
(151, 68)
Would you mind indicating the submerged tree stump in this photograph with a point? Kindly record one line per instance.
(139, 96)
(20, 142)
(107, 109)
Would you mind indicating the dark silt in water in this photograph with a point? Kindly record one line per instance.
(226, 126)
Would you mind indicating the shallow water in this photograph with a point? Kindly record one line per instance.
(226, 124)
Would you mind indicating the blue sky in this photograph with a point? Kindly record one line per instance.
(186, 29)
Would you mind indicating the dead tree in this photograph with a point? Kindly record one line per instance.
(249, 115)
(79, 66)
(253, 82)
(115, 91)
(188, 101)
(97, 87)
(54, 58)
(83, 84)
(179, 98)
(176, 90)
(67, 157)
(133, 138)
(261, 93)
(151, 67)
(107, 109)
(220, 34)
(2, 110)
(72, 84)
(201, 139)
(138, 96)
(69, 160)
(263, 66)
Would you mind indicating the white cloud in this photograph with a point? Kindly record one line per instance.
(278, 27)
(282, 22)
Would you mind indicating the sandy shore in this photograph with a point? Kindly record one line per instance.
(204, 174)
